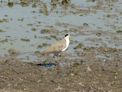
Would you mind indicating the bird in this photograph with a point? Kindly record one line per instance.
(57, 47)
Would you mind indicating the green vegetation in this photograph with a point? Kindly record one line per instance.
(3, 20)
(3, 40)
(42, 45)
(2, 30)
(80, 45)
(45, 31)
(33, 29)
(10, 4)
(119, 31)
(25, 39)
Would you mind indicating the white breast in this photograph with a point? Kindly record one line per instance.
(67, 43)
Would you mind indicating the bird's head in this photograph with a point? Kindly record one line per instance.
(67, 36)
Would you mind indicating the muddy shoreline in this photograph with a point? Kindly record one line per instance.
(85, 74)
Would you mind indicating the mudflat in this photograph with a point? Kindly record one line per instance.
(85, 74)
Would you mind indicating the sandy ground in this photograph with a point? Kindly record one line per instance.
(85, 74)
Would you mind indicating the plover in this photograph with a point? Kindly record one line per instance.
(58, 47)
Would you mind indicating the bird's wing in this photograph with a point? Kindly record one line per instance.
(56, 47)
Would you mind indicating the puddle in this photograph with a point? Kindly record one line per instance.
(21, 24)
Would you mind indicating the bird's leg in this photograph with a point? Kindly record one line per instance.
(58, 68)
(59, 54)
(55, 55)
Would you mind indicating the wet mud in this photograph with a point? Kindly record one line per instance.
(93, 61)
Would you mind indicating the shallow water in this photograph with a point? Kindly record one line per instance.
(22, 25)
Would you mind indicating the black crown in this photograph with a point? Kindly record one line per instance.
(66, 35)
